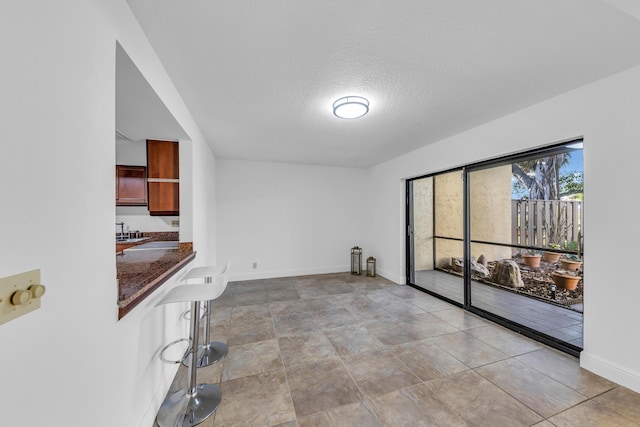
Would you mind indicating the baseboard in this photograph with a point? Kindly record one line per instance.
(288, 273)
(611, 371)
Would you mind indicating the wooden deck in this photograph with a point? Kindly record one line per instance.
(558, 322)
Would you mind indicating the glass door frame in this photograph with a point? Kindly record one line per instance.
(409, 228)
(467, 301)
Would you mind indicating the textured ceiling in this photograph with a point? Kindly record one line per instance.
(260, 76)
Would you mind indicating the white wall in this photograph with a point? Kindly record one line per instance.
(71, 363)
(290, 219)
(606, 113)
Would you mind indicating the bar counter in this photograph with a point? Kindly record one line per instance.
(142, 272)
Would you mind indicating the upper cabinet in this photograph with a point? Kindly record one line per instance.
(163, 177)
(131, 185)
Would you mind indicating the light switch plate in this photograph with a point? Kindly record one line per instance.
(8, 286)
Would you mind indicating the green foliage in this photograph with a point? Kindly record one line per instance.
(572, 183)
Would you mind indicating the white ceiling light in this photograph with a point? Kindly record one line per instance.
(351, 107)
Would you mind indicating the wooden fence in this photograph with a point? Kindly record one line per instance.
(537, 223)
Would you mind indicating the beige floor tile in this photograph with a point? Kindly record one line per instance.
(259, 400)
(504, 340)
(353, 298)
(335, 318)
(415, 406)
(391, 332)
(567, 370)
(251, 359)
(591, 414)
(247, 331)
(287, 308)
(460, 318)
(468, 349)
(323, 303)
(370, 312)
(383, 296)
(403, 291)
(337, 287)
(310, 290)
(276, 295)
(539, 392)
(379, 372)
(402, 310)
(295, 324)
(251, 297)
(352, 339)
(623, 401)
(250, 312)
(427, 360)
(353, 415)
(426, 325)
(221, 315)
(318, 387)
(305, 348)
(481, 403)
(366, 286)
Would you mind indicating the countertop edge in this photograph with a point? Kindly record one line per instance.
(130, 303)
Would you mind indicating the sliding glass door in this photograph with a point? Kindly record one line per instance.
(435, 234)
(503, 239)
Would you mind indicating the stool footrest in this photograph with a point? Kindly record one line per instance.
(171, 344)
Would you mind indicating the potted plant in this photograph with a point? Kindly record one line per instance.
(570, 262)
(532, 259)
(565, 279)
(549, 256)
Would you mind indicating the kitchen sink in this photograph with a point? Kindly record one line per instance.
(139, 239)
(154, 245)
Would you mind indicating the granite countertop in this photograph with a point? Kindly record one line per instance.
(141, 272)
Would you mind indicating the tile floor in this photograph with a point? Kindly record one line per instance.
(342, 350)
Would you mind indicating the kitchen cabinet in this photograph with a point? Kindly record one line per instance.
(163, 178)
(131, 185)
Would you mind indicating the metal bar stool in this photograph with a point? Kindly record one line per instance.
(195, 403)
(209, 351)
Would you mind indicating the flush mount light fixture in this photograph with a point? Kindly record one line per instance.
(351, 107)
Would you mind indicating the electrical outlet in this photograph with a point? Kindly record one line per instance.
(175, 223)
(255, 265)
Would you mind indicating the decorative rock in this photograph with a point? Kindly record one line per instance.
(457, 264)
(482, 260)
(506, 272)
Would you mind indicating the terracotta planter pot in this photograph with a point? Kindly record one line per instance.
(566, 281)
(551, 256)
(531, 260)
(569, 264)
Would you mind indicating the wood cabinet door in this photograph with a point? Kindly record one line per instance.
(164, 198)
(162, 159)
(131, 185)
(163, 178)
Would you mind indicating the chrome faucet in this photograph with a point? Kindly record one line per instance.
(121, 224)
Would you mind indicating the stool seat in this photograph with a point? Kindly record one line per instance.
(200, 273)
(192, 293)
(209, 351)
